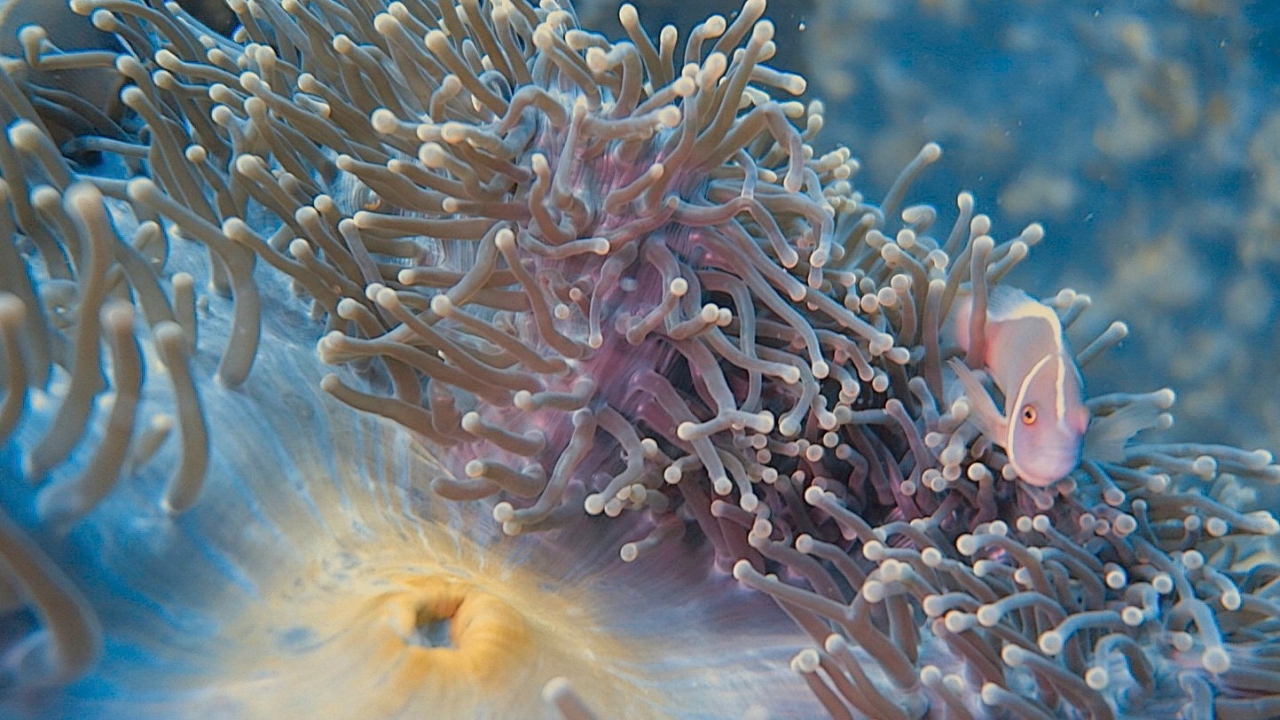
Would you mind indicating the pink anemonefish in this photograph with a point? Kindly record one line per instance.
(1044, 420)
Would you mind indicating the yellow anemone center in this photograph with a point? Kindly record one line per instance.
(488, 640)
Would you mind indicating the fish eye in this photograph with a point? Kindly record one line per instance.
(1028, 414)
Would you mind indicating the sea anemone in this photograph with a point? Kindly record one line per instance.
(557, 278)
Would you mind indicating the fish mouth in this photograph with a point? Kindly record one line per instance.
(1047, 467)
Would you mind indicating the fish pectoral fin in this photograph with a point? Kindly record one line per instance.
(1107, 436)
(983, 412)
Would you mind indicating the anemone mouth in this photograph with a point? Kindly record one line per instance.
(409, 637)
(438, 622)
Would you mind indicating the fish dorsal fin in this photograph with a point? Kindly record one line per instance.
(1003, 301)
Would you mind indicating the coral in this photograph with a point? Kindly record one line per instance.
(555, 278)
